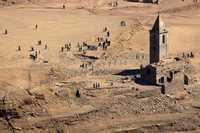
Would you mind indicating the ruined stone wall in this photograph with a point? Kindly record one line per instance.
(148, 74)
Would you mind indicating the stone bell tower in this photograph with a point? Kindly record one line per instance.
(158, 41)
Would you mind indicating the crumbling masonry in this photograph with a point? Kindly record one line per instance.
(163, 69)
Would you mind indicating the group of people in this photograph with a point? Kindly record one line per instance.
(96, 85)
(82, 47)
(188, 55)
(104, 42)
(33, 52)
(84, 65)
(87, 66)
(66, 46)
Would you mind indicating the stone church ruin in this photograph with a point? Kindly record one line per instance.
(162, 68)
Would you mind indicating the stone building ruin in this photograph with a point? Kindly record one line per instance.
(162, 68)
(163, 72)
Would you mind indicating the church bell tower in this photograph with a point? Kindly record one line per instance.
(158, 41)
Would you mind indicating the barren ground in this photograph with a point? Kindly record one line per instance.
(43, 91)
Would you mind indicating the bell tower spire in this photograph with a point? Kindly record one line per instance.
(158, 41)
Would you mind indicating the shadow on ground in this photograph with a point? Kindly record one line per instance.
(135, 73)
(129, 72)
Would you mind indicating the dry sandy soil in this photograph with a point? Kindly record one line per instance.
(43, 92)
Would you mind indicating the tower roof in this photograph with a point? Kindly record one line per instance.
(158, 24)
